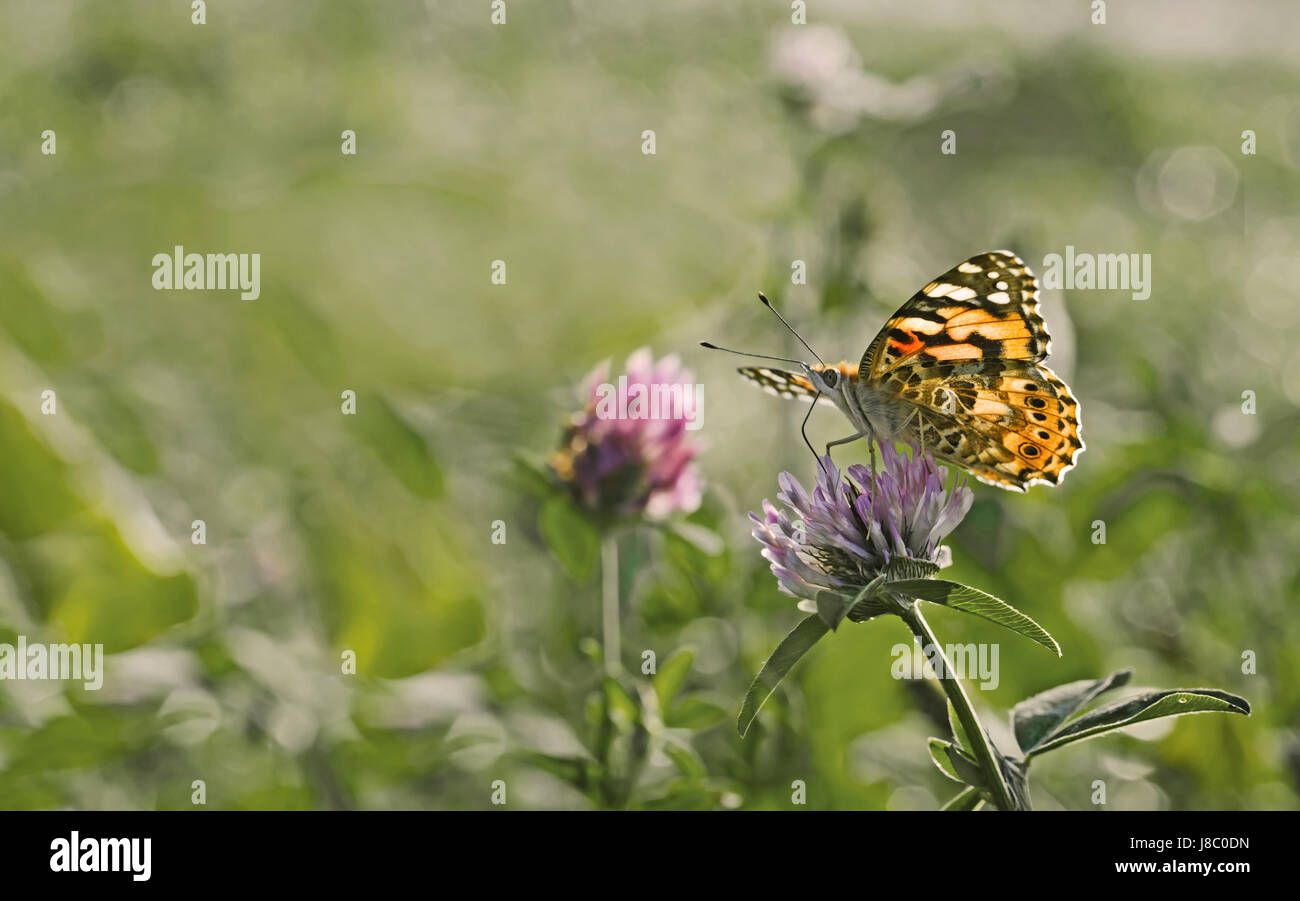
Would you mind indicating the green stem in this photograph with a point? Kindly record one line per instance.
(968, 798)
(952, 687)
(609, 604)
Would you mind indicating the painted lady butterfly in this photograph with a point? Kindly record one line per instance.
(958, 372)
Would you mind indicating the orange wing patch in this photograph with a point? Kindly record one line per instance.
(905, 348)
(985, 308)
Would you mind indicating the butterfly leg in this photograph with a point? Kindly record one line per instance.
(919, 443)
(847, 440)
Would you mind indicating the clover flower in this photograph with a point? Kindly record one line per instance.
(854, 527)
(628, 453)
(820, 69)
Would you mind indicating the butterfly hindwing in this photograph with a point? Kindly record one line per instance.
(783, 383)
(1010, 423)
(984, 308)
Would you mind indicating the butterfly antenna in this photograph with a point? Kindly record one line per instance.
(741, 353)
(803, 427)
(767, 303)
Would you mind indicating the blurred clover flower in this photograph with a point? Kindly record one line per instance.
(822, 71)
(617, 461)
(625, 459)
(852, 529)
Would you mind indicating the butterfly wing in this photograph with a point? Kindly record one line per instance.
(984, 308)
(1010, 423)
(963, 355)
(783, 383)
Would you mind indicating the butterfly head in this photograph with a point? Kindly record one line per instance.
(825, 379)
(830, 379)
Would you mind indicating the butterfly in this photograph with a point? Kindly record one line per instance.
(957, 372)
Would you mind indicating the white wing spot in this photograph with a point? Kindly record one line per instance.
(968, 267)
(947, 400)
(1002, 286)
(993, 273)
(1000, 297)
(923, 326)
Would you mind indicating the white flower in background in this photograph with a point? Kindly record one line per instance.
(819, 65)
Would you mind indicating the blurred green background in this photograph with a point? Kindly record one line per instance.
(372, 533)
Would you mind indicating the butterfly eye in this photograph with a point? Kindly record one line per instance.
(830, 377)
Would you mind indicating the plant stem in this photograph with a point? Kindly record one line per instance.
(609, 603)
(952, 687)
(967, 799)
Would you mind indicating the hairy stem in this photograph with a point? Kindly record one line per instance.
(609, 604)
(952, 687)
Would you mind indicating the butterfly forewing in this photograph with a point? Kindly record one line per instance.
(984, 308)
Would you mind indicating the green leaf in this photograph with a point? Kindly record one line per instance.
(623, 708)
(576, 771)
(402, 449)
(832, 606)
(959, 731)
(402, 615)
(668, 680)
(939, 754)
(1147, 706)
(702, 538)
(695, 713)
(687, 761)
(531, 478)
(572, 539)
(1034, 719)
(977, 603)
(682, 796)
(970, 799)
(955, 763)
(800, 640)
